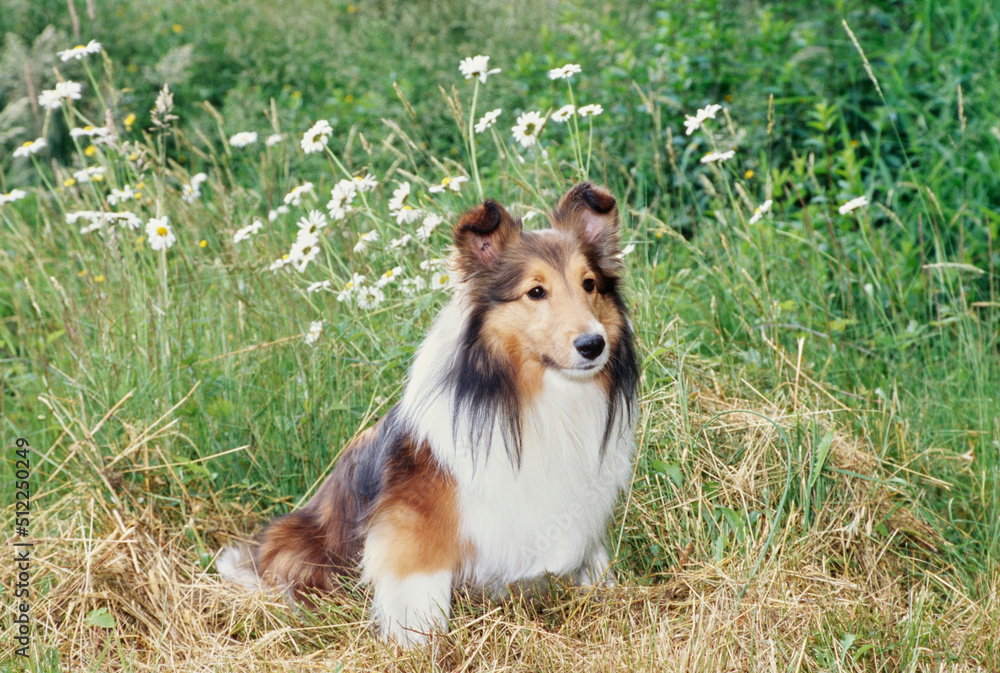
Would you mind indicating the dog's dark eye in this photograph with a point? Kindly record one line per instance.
(537, 292)
(588, 285)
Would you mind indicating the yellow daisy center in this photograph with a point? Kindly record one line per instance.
(161, 231)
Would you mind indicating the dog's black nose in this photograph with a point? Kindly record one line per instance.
(589, 345)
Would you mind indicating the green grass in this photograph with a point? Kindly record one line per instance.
(886, 320)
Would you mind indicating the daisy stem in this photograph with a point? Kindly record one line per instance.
(590, 142)
(577, 149)
(472, 138)
(336, 160)
(93, 83)
(515, 167)
(48, 183)
(162, 331)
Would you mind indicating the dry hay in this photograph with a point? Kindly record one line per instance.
(866, 565)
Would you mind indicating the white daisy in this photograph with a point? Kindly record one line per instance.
(692, 124)
(365, 239)
(243, 138)
(529, 125)
(411, 286)
(429, 264)
(72, 218)
(272, 215)
(93, 226)
(853, 204)
(341, 196)
(120, 195)
(273, 139)
(52, 99)
(369, 297)
(191, 191)
(592, 109)
(477, 66)
(356, 281)
(294, 197)
(315, 139)
(312, 222)
(12, 196)
(390, 276)
(159, 233)
(98, 135)
(565, 72)
(279, 264)
(31, 147)
(79, 51)
(760, 211)
(440, 280)
(320, 285)
(563, 114)
(95, 173)
(314, 333)
(126, 218)
(488, 120)
(304, 250)
(714, 157)
(627, 250)
(407, 215)
(399, 196)
(454, 184)
(401, 242)
(246, 232)
(431, 222)
(365, 184)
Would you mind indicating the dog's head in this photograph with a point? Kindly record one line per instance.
(545, 299)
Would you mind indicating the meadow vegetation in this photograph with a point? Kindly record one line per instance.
(817, 485)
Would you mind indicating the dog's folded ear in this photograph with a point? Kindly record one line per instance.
(481, 236)
(590, 212)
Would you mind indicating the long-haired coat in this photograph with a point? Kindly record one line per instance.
(503, 461)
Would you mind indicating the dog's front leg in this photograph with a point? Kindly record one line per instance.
(411, 608)
(410, 557)
(596, 568)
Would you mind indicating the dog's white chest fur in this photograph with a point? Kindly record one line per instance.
(550, 514)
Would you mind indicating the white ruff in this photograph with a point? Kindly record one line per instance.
(551, 514)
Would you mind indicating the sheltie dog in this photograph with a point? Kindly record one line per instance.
(503, 461)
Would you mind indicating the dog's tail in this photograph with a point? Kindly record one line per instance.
(298, 554)
(301, 552)
(236, 564)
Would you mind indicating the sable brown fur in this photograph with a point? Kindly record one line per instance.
(383, 482)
